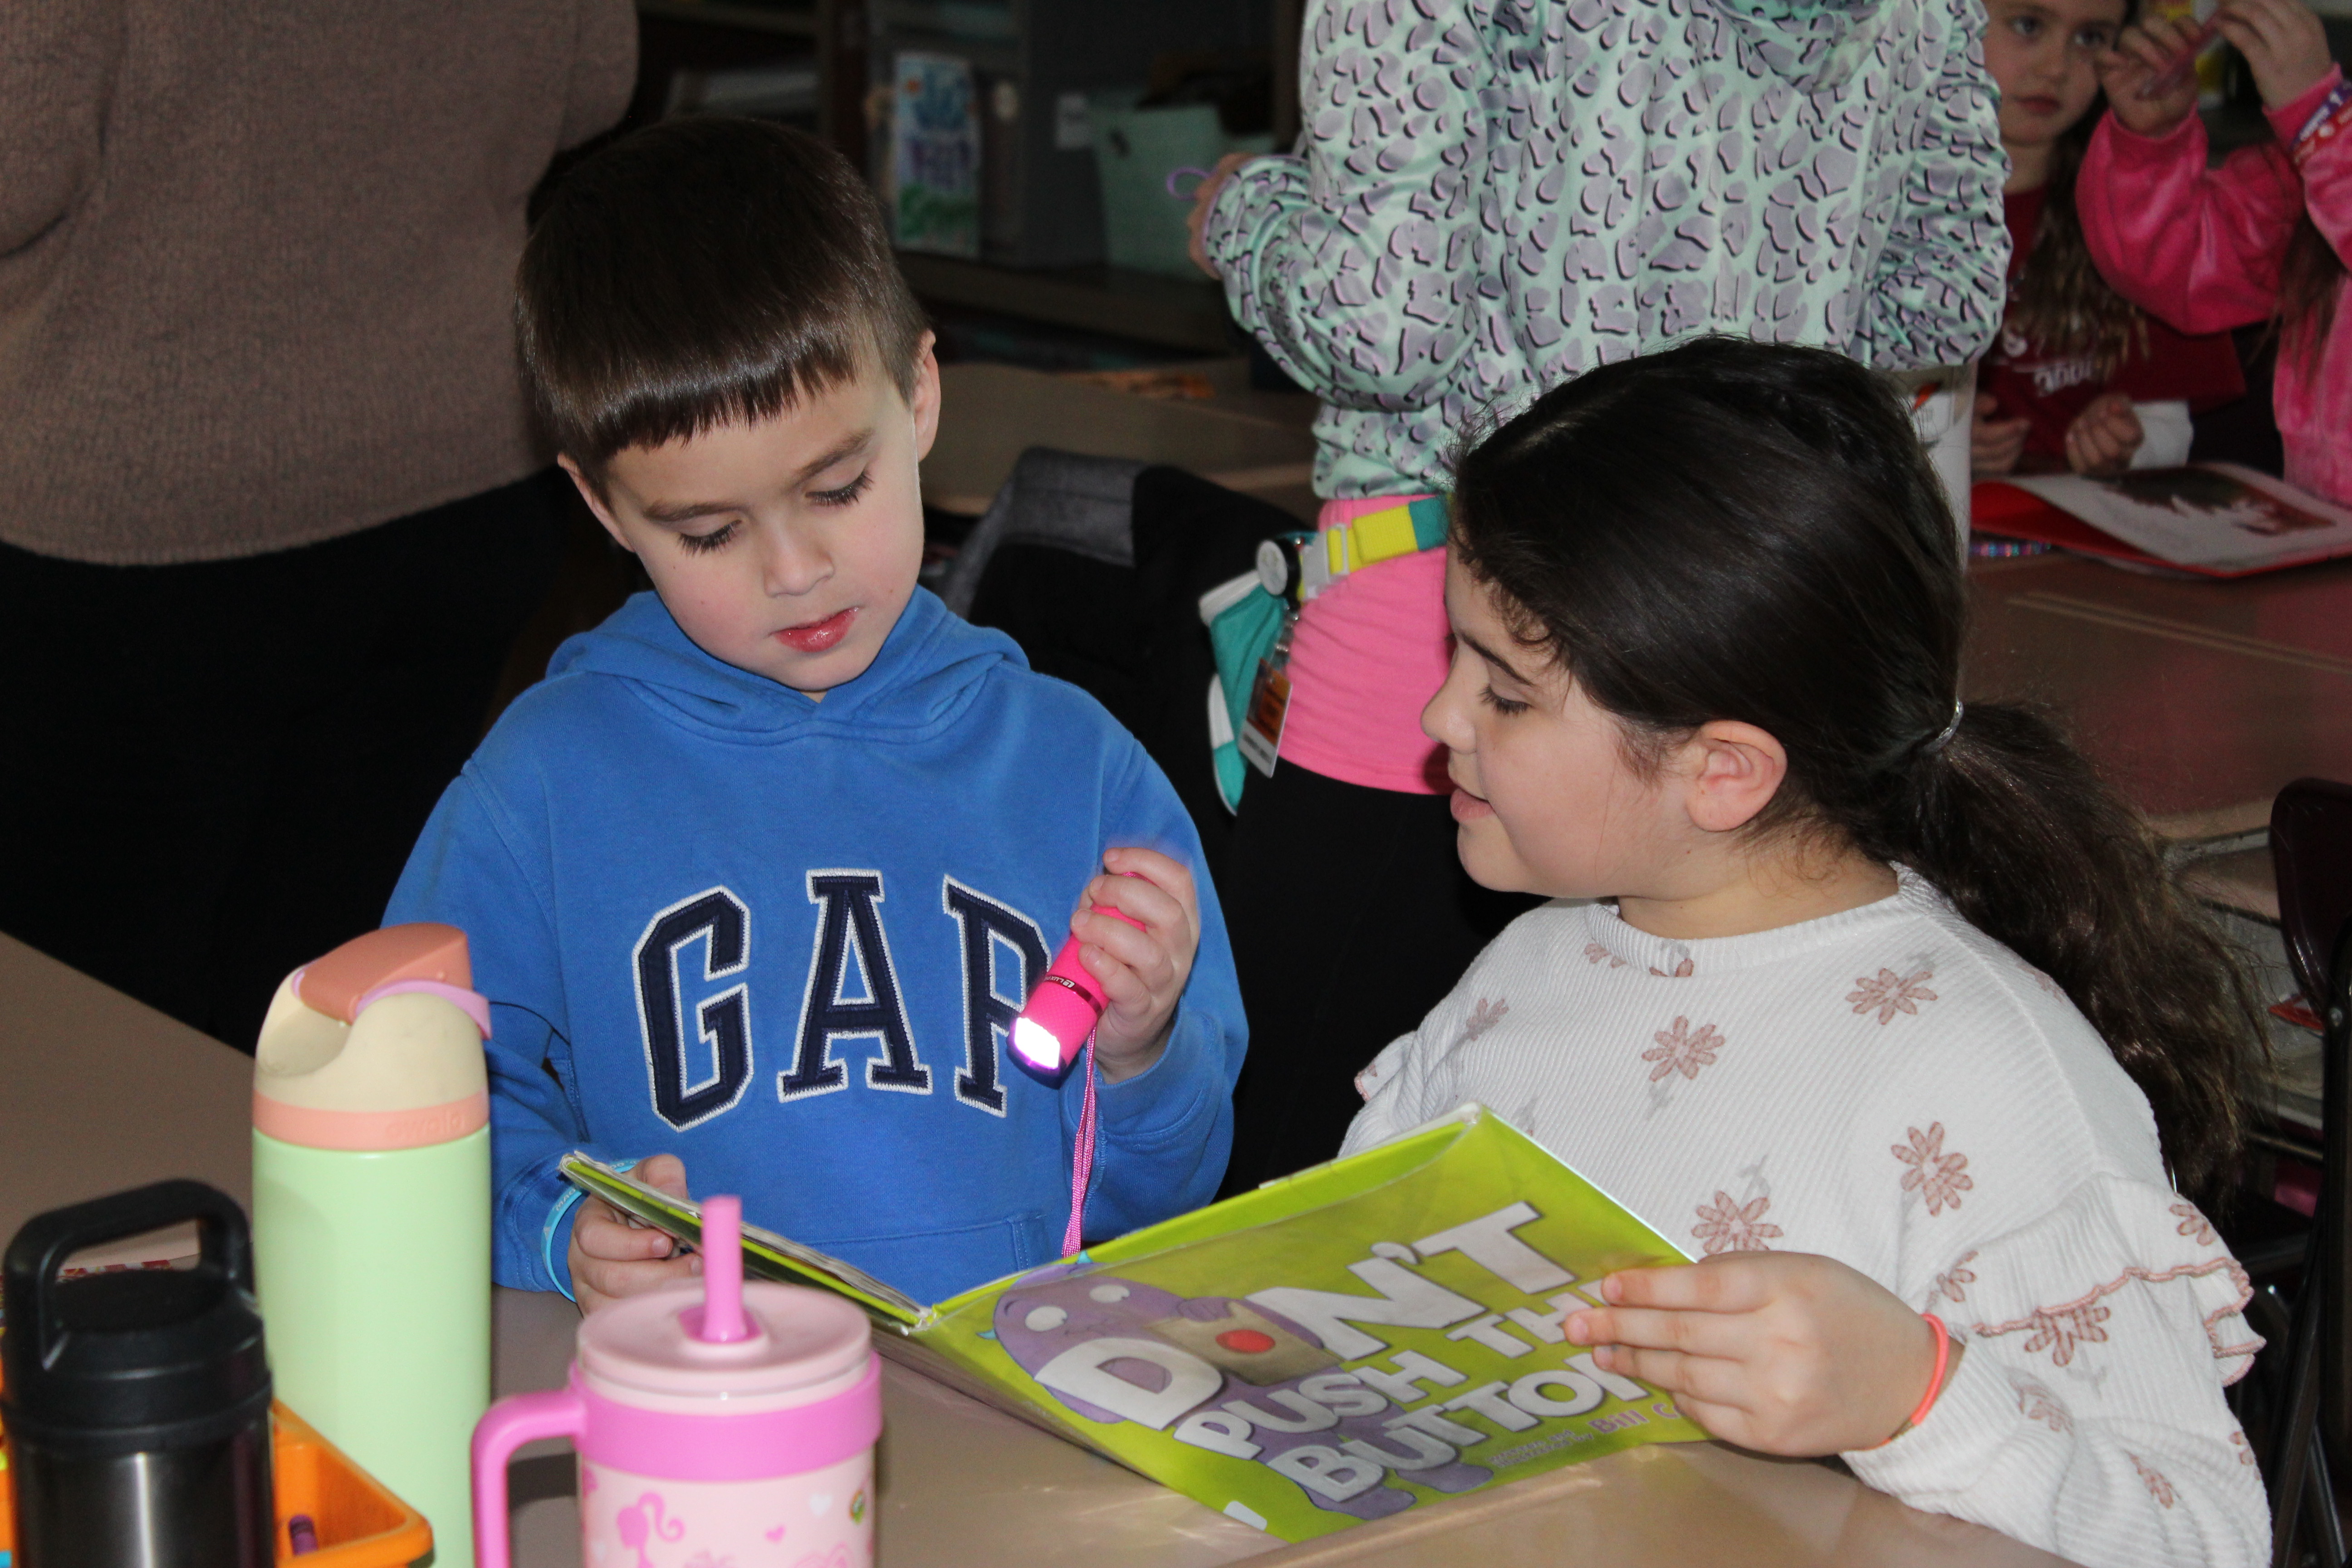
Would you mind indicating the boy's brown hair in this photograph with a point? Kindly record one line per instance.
(704, 272)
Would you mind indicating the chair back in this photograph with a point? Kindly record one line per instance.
(2311, 850)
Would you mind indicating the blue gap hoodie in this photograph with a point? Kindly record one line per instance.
(783, 939)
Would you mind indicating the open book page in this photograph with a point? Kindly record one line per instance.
(1342, 1345)
(1346, 1344)
(2217, 516)
(766, 1255)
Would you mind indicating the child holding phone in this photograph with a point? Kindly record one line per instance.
(2080, 378)
(2260, 239)
(1884, 1004)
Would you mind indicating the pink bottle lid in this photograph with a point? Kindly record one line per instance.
(746, 1381)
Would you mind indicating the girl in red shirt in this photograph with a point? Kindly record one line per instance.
(2080, 378)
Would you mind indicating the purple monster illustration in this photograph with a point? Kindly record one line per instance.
(1230, 1377)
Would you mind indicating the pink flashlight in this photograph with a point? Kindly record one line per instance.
(1063, 1010)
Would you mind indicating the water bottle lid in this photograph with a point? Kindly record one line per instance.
(377, 1045)
(139, 1361)
(799, 1346)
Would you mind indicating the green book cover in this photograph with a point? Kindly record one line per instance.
(1336, 1346)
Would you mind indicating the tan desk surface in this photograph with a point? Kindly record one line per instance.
(2200, 698)
(98, 1093)
(991, 414)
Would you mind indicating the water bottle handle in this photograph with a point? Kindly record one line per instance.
(507, 1426)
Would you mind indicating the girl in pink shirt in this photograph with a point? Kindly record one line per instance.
(2261, 237)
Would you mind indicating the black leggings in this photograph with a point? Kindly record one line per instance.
(1350, 917)
(215, 772)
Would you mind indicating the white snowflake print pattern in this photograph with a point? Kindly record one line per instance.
(2036, 1403)
(1937, 1177)
(1680, 1050)
(1730, 1226)
(1483, 1018)
(1891, 993)
(2158, 1487)
(2193, 1223)
(1953, 1283)
(1596, 953)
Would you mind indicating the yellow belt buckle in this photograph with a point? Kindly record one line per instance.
(1383, 536)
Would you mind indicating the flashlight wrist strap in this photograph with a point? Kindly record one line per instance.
(1082, 1160)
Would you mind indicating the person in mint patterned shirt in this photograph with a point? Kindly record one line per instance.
(1489, 198)
(1493, 196)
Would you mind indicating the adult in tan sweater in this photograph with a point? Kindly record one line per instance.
(270, 510)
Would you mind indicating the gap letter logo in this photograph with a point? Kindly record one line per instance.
(700, 1056)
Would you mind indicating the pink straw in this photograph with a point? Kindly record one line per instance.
(722, 1273)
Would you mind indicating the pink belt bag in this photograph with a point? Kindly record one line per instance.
(1250, 618)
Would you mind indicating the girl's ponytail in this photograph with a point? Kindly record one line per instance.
(2011, 822)
(1732, 529)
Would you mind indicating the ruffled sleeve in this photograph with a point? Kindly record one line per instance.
(2086, 1415)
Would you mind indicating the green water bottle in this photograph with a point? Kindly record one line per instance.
(371, 1212)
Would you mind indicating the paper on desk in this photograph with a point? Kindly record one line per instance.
(2218, 516)
(1342, 1345)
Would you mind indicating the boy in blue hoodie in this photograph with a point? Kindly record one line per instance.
(758, 878)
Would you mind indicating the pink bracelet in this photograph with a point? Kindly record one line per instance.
(1935, 1383)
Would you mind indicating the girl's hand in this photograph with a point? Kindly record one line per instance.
(2284, 45)
(1205, 196)
(1142, 972)
(1782, 1353)
(1995, 445)
(2103, 437)
(615, 1254)
(2145, 56)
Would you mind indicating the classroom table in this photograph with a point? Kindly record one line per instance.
(99, 1093)
(2200, 699)
(991, 414)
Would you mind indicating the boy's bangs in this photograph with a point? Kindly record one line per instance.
(653, 403)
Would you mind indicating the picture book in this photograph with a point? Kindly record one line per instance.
(2215, 518)
(1338, 1346)
(935, 155)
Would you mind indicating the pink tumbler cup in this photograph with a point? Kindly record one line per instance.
(724, 1423)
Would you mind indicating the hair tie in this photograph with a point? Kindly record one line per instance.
(1944, 736)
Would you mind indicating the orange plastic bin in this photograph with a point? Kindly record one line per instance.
(360, 1524)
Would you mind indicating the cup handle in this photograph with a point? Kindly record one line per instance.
(507, 1426)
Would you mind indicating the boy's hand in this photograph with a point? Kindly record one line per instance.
(2145, 58)
(1995, 445)
(1783, 1353)
(2285, 45)
(1142, 972)
(2103, 437)
(614, 1255)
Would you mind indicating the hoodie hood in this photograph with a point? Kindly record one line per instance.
(927, 671)
(1812, 45)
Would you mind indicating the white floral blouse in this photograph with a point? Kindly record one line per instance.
(1892, 1088)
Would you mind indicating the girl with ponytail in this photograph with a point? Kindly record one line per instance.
(1881, 1003)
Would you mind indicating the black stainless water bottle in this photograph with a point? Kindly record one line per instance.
(137, 1403)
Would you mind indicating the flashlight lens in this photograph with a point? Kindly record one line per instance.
(1036, 1043)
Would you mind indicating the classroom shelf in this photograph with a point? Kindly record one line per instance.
(1173, 311)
